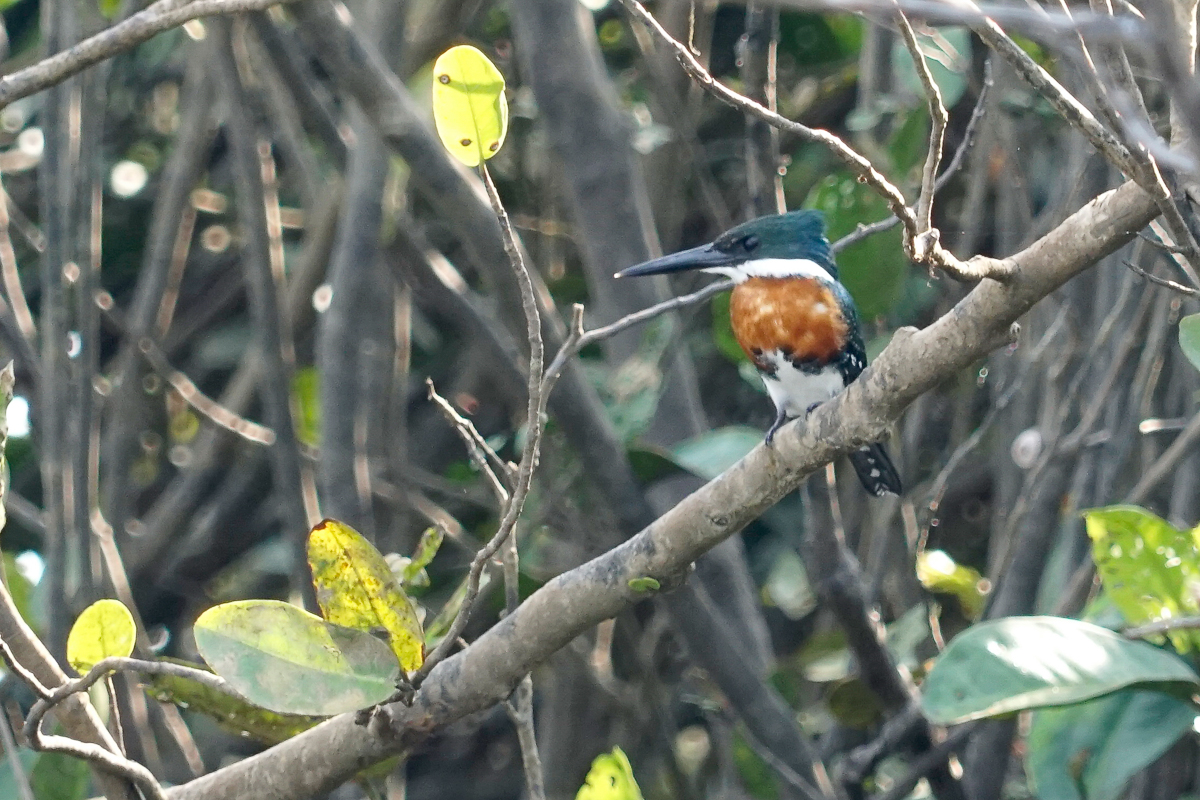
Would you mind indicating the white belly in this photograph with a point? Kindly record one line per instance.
(794, 392)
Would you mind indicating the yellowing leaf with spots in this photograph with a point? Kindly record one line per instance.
(356, 589)
(610, 778)
(469, 106)
(104, 629)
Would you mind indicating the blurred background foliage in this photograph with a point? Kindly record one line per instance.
(201, 516)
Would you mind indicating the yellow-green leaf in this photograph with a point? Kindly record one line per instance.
(356, 589)
(238, 716)
(610, 778)
(938, 572)
(104, 629)
(285, 659)
(469, 106)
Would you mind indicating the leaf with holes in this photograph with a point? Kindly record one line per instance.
(1149, 569)
(287, 660)
(469, 107)
(104, 629)
(1006, 665)
(356, 588)
(610, 778)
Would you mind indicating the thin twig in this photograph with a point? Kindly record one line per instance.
(928, 250)
(533, 441)
(937, 135)
(1162, 626)
(579, 339)
(163, 15)
(207, 407)
(863, 231)
(12, 277)
(1186, 291)
(479, 451)
(20, 777)
(107, 760)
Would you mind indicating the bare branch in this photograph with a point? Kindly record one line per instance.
(937, 133)
(1161, 626)
(927, 246)
(161, 16)
(487, 671)
(1186, 291)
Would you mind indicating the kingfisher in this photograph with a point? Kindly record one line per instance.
(792, 317)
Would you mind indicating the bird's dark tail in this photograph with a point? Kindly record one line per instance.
(875, 470)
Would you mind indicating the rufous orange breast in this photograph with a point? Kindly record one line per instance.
(797, 317)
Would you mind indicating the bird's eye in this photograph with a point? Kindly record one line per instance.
(749, 243)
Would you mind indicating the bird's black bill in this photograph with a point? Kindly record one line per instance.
(702, 257)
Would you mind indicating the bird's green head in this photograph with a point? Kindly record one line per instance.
(781, 245)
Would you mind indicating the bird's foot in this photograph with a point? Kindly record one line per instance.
(810, 409)
(780, 419)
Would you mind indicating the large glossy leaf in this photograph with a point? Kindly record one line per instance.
(357, 589)
(610, 778)
(233, 714)
(469, 106)
(104, 629)
(872, 270)
(1189, 338)
(287, 660)
(710, 454)
(1091, 749)
(1150, 570)
(1012, 664)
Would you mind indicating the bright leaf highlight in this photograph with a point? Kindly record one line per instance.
(1006, 665)
(469, 107)
(104, 629)
(610, 778)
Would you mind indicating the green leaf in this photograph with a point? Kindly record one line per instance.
(872, 270)
(1012, 664)
(232, 713)
(722, 331)
(57, 776)
(610, 778)
(412, 570)
(1189, 338)
(937, 572)
(306, 388)
(356, 588)
(469, 106)
(644, 584)
(711, 453)
(1150, 570)
(651, 463)
(105, 628)
(853, 704)
(1091, 749)
(787, 586)
(947, 51)
(287, 660)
